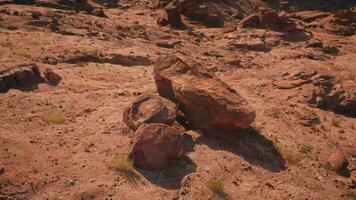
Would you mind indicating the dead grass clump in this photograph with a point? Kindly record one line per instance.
(291, 157)
(22, 53)
(54, 115)
(122, 163)
(216, 185)
(305, 149)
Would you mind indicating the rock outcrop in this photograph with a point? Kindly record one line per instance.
(208, 103)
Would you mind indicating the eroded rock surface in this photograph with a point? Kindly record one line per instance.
(149, 109)
(208, 103)
(154, 144)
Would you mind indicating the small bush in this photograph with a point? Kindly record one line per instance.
(292, 158)
(54, 115)
(305, 149)
(122, 163)
(216, 185)
(22, 53)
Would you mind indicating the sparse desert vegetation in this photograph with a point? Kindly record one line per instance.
(54, 115)
(216, 185)
(22, 53)
(122, 163)
(177, 99)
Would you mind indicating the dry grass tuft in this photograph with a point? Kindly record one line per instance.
(22, 53)
(54, 115)
(122, 163)
(291, 157)
(216, 185)
(305, 149)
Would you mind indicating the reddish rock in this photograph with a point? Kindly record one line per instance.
(51, 77)
(250, 21)
(149, 109)
(309, 15)
(173, 15)
(154, 144)
(268, 18)
(22, 77)
(208, 103)
(338, 162)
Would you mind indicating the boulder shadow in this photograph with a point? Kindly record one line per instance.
(171, 177)
(250, 145)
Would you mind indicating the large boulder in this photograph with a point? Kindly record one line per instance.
(208, 103)
(149, 109)
(154, 144)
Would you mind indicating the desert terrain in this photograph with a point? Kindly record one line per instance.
(70, 68)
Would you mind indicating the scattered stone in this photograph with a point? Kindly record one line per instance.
(268, 17)
(2, 170)
(338, 162)
(50, 60)
(23, 77)
(289, 84)
(310, 15)
(252, 20)
(173, 15)
(255, 44)
(154, 144)
(149, 109)
(51, 77)
(208, 103)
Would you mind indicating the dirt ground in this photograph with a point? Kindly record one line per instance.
(105, 63)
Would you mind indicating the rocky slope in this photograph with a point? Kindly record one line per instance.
(69, 69)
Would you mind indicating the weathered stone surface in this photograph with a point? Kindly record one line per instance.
(173, 15)
(27, 77)
(24, 77)
(338, 162)
(208, 103)
(149, 109)
(154, 144)
(268, 17)
(250, 21)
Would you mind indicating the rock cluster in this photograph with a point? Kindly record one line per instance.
(268, 18)
(194, 10)
(156, 138)
(208, 104)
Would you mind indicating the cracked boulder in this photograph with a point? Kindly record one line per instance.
(149, 109)
(154, 144)
(208, 103)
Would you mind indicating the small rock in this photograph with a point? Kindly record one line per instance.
(173, 15)
(338, 162)
(154, 144)
(250, 21)
(149, 109)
